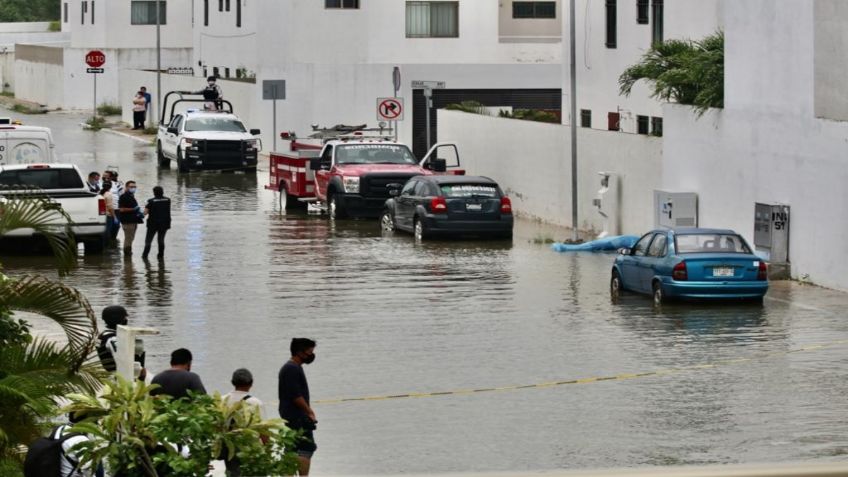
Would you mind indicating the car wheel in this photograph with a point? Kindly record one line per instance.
(387, 222)
(335, 209)
(164, 162)
(615, 286)
(181, 165)
(288, 201)
(421, 232)
(659, 296)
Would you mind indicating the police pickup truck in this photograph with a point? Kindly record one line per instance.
(198, 139)
(68, 204)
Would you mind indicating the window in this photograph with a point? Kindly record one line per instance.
(710, 243)
(65, 12)
(642, 11)
(226, 72)
(408, 188)
(533, 9)
(92, 12)
(657, 13)
(341, 3)
(227, 5)
(656, 126)
(614, 121)
(205, 12)
(612, 33)
(642, 245)
(238, 13)
(42, 178)
(658, 246)
(220, 5)
(642, 124)
(83, 9)
(144, 12)
(432, 19)
(585, 118)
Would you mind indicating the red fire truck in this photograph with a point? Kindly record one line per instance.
(350, 171)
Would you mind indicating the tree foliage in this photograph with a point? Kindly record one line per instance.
(682, 71)
(136, 435)
(29, 10)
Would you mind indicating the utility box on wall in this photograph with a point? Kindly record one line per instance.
(771, 237)
(675, 209)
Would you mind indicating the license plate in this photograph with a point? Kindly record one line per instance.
(474, 207)
(722, 272)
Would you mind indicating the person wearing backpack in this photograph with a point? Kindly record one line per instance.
(242, 382)
(107, 341)
(54, 455)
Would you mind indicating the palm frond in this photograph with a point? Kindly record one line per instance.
(64, 305)
(34, 210)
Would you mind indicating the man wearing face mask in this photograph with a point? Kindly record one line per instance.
(130, 214)
(294, 399)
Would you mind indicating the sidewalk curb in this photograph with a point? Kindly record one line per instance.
(122, 134)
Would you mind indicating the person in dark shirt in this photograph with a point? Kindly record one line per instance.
(130, 214)
(158, 212)
(294, 399)
(179, 380)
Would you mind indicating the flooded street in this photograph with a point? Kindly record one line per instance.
(393, 317)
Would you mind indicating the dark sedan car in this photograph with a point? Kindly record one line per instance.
(427, 206)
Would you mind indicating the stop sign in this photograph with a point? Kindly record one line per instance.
(95, 58)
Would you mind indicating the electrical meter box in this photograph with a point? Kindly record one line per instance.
(771, 236)
(675, 209)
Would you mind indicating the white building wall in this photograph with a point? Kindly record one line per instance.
(112, 26)
(599, 67)
(40, 86)
(531, 161)
(766, 145)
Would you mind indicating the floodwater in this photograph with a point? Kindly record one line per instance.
(393, 317)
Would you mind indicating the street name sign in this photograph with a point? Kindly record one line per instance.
(389, 109)
(417, 84)
(94, 70)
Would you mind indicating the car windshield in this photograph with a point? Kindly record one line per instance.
(710, 243)
(374, 154)
(215, 124)
(42, 179)
(469, 190)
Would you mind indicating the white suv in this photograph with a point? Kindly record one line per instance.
(198, 140)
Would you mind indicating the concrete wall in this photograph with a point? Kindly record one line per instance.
(830, 63)
(112, 26)
(7, 70)
(532, 162)
(39, 69)
(599, 67)
(24, 27)
(529, 29)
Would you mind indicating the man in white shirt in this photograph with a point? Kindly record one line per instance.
(70, 461)
(242, 381)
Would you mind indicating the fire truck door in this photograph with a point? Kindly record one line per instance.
(322, 176)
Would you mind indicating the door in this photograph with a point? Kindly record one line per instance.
(631, 264)
(447, 152)
(405, 204)
(653, 261)
(322, 176)
(170, 143)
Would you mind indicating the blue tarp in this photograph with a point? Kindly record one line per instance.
(614, 242)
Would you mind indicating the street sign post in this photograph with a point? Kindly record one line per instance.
(389, 109)
(396, 84)
(95, 59)
(272, 90)
(428, 87)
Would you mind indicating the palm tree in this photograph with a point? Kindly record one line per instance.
(682, 71)
(35, 373)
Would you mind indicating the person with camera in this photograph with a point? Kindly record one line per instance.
(294, 400)
(130, 214)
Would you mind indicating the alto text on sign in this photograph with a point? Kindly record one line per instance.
(95, 58)
(390, 109)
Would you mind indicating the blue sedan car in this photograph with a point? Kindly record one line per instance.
(690, 263)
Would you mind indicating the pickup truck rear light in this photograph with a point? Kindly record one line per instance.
(679, 272)
(38, 166)
(101, 206)
(762, 271)
(438, 205)
(506, 205)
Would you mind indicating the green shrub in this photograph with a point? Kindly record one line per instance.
(530, 115)
(96, 123)
(55, 26)
(8, 94)
(107, 109)
(474, 107)
(24, 109)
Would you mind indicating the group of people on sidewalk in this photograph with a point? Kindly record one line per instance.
(178, 380)
(123, 211)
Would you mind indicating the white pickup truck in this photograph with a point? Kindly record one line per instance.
(199, 139)
(66, 191)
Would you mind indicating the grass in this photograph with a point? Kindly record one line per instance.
(96, 123)
(24, 109)
(151, 130)
(7, 94)
(546, 240)
(106, 109)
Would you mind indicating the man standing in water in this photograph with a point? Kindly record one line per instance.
(294, 399)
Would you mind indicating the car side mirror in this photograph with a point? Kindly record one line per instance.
(255, 132)
(624, 251)
(438, 165)
(173, 130)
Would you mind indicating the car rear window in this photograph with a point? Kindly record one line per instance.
(41, 179)
(469, 190)
(710, 243)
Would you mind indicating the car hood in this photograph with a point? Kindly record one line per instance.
(362, 169)
(218, 135)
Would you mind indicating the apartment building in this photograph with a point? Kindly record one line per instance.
(337, 56)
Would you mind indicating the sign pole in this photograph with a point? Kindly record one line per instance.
(573, 65)
(274, 121)
(428, 94)
(95, 98)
